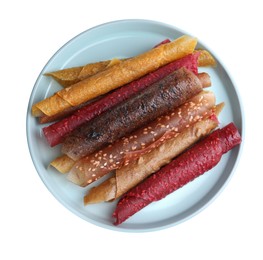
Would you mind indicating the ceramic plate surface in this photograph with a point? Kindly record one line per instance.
(127, 38)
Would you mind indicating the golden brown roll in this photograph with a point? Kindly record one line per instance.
(69, 76)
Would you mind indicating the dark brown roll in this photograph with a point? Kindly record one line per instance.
(154, 101)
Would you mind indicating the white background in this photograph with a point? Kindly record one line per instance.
(34, 224)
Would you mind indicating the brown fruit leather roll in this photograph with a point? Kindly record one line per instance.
(96, 165)
(200, 158)
(152, 102)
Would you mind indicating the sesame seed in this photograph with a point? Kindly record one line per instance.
(196, 117)
(96, 163)
(192, 104)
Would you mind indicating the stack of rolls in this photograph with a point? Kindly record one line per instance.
(129, 117)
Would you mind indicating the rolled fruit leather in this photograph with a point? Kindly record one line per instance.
(115, 76)
(129, 176)
(69, 76)
(152, 102)
(197, 160)
(126, 149)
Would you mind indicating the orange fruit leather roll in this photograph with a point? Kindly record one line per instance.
(63, 163)
(129, 148)
(130, 175)
(115, 76)
(70, 76)
(205, 59)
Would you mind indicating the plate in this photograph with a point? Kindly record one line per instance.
(128, 38)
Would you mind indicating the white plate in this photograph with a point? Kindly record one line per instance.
(127, 38)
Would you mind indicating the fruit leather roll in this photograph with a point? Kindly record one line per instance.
(96, 165)
(56, 132)
(129, 176)
(202, 157)
(69, 76)
(154, 101)
(115, 76)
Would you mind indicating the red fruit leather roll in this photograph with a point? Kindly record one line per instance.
(158, 99)
(202, 157)
(55, 133)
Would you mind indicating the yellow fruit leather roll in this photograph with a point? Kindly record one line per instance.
(69, 76)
